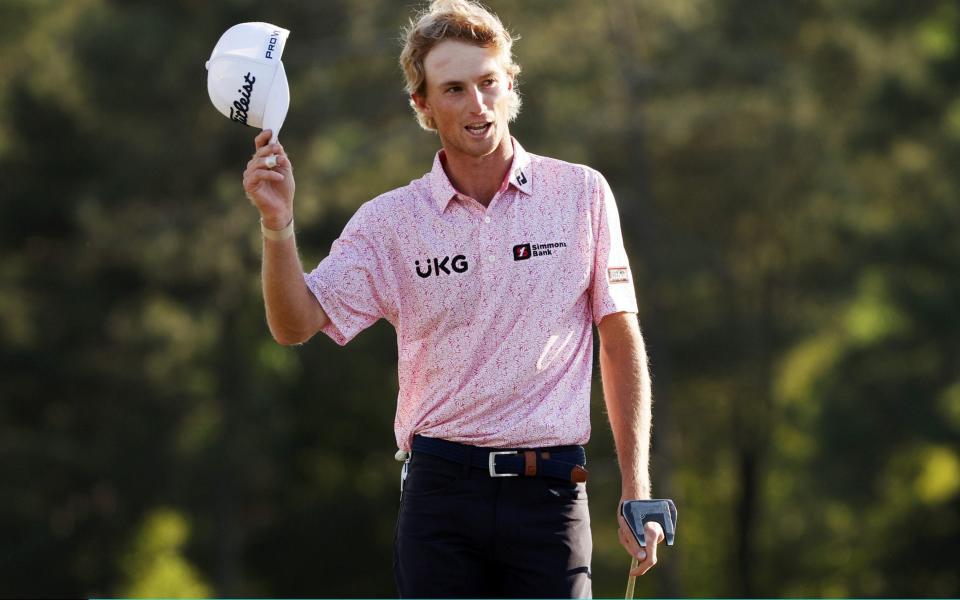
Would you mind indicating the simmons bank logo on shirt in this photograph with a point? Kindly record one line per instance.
(525, 251)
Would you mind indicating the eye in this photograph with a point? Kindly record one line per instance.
(453, 89)
(489, 82)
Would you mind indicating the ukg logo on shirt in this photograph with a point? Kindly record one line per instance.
(435, 266)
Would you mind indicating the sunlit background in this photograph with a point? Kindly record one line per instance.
(787, 177)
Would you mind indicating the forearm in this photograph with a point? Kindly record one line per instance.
(626, 390)
(293, 313)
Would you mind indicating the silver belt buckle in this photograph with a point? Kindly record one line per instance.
(492, 458)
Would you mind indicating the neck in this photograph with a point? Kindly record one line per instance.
(479, 176)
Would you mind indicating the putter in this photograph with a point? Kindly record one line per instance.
(638, 512)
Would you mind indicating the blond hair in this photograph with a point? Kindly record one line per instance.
(462, 20)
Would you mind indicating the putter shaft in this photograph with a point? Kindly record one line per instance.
(632, 579)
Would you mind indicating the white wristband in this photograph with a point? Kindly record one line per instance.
(275, 234)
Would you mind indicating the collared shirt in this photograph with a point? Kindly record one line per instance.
(493, 306)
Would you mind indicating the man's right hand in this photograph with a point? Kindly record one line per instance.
(270, 190)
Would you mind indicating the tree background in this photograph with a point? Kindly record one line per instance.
(787, 179)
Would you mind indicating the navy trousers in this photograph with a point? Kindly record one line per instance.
(461, 533)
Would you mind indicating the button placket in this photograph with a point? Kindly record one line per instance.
(491, 258)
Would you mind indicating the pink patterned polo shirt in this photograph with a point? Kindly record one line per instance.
(493, 307)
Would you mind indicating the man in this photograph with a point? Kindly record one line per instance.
(492, 268)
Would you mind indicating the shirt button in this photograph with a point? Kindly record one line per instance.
(492, 258)
(486, 219)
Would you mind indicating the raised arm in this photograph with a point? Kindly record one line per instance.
(293, 313)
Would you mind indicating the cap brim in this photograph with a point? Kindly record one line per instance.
(278, 102)
(253, 41)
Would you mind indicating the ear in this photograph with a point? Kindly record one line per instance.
(421, 104)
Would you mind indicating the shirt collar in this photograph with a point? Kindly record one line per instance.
(519, 176)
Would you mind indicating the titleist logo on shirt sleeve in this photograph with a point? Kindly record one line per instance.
(618, 275)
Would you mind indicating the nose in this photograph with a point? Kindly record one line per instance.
(476, 101)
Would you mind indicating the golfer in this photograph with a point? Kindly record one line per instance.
(493, 268)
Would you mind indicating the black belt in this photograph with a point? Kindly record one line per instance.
(560, 462)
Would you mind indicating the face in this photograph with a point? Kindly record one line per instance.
(467, 94)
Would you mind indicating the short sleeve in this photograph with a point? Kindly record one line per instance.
(612, 285)
(352, 282)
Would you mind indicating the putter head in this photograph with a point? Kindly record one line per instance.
(639, 512)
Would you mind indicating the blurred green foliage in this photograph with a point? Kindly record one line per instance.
(154, 566)
(786, 175)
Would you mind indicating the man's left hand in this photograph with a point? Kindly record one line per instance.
(652, 535)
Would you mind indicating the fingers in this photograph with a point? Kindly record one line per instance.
(653, 535)
(262, 138)
(268, 161)
(647, 556)
(270, 156)
(268, 175)
(268, 149)
(254, 176)
(263, 147)
(628, 541)
(646, 563)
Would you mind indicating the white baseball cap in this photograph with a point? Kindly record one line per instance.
(245, 77)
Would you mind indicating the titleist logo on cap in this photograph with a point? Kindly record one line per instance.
(238, 112)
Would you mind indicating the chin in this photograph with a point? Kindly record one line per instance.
(485, 146)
